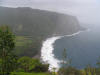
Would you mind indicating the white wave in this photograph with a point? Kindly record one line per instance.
(47, 51)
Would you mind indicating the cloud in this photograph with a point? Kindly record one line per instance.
(86, 10)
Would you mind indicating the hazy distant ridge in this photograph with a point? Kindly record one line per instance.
(27, 21)
(36, 25)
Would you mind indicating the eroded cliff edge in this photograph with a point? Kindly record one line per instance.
(38, 25)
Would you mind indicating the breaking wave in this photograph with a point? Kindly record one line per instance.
(47, 55)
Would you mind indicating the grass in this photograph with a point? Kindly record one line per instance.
(27, 46)
(23, 41)
(23, 73)
(23, 44)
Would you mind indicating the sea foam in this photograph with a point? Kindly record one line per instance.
(47, 55)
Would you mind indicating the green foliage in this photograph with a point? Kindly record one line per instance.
(28, 64)
(0, 64)
(54, 71)
(38, 24)
(64, 57)
(90, 70)
(41, 68)
(23, 73)
(65, 60)
(6, 40)
(98, 62)
(26, 46)
(23, 41)
(24, 63)
(68, 71)
(82, 72)
(7, 45)
(34, 63)
(12, 62)
(97, 71)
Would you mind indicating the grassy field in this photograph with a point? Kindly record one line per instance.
(23, 44)
(26, 46)
(23, 41)
(23, 73)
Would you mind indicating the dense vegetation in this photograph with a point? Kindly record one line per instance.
(27, 46)
(36, 25)
(31, 27)
(23, 73)
(10, 64)
(8, 59)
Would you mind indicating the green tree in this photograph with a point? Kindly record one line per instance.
(64, 56)
(65, 60)
(54, 71)
(82, 72)
(24, 63)
(68, 71)
(28, 64)
(7, 45)
(13, 65)
(98, 62)
(0, 65)
(34, 63)
(90, 70)
(66, 64)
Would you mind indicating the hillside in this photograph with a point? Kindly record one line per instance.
(37, 25)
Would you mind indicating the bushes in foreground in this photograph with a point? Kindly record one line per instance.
(68, 71)
(23, 73)
(27, 64)
(73, 71)
(9, 62)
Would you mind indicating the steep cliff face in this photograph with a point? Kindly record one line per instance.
(32, 26)
(27, 21)
(67, 24)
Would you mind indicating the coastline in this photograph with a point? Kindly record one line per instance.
(70, 32)
(47, 55)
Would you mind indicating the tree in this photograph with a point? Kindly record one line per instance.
(65, 61)
(90, 70)
(28, 64)
(41, 68)
(82, 72)
(64, 56)
(98, 62)
(33, 64)
(13, 65)
(7, 45)
(65, 64)
(0, 65)
(24, 63)
(54, 71)
(68, 71)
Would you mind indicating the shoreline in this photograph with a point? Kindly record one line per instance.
(57, 35)
(47, 55)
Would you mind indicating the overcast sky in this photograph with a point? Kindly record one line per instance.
(87, 11)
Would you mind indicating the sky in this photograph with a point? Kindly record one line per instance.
(87, 11)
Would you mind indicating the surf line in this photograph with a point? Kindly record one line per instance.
(47, 55)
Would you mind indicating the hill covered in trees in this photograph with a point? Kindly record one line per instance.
(36, 25)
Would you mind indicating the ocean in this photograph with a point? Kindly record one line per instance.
(82, 48)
